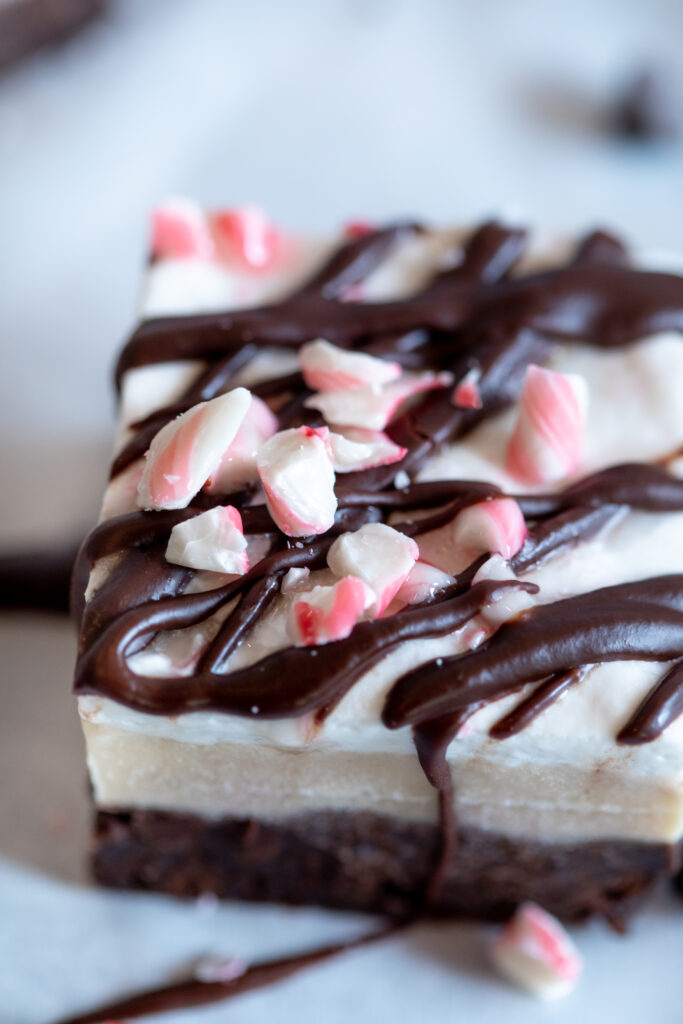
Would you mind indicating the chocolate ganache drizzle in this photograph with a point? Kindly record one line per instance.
(480, 313)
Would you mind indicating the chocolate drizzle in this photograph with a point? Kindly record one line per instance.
(476, 314)
(193, 992)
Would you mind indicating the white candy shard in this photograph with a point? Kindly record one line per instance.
(466, 394)
(372, 407)
(358, 449)
(238, 465)
(511, 602)
(220, 968)
(377, 554)
(422, 582)
(497, 526)
(246, 232)
(535, 952)
(294, 579)
(328, 368)
(187, 451)
(213, 540)
(328, 613)
(180, 231)
(547, 441)
(296, 471)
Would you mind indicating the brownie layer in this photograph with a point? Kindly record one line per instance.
(372, 863)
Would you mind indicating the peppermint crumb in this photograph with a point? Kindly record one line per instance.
(439, 662)
(401, 479)
(254, 709)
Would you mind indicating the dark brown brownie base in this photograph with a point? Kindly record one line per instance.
(371, 863)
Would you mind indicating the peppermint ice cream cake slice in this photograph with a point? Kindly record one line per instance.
(385, 606)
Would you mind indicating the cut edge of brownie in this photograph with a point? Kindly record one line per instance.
(372, 863)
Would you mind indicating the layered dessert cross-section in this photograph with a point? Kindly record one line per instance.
(385, 606)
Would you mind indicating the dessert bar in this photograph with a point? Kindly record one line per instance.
(385, 606)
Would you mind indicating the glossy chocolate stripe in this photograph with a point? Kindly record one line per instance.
(635, 621)
(662, 706)
(285, 684)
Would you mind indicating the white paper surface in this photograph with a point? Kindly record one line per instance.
(320, 111)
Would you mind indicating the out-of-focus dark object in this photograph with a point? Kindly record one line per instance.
(28, 25)
(37, 580)
(650, 107)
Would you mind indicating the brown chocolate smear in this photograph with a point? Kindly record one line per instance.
(192, 992)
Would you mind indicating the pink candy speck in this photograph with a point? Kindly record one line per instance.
(547, 441)
(378, 555)
(466, 394)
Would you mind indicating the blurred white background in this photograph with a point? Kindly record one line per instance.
(320, 110)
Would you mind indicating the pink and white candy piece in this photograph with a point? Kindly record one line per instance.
(511, 602)
(213, 540)
(358, 449)
(535, 952)
(329, 613)
(187, 451)
(295, 467)
(328, 368)
(372, 407)
(422, 582)
(358, 228)
(246, 232)
(497, 526)
(379, 556)
(180, 231)
(238, 465)
(547, 441)
(220, 968)
(466, 394)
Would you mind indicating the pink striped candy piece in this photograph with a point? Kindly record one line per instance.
(379, 556)
(328, 368)
(213, 540)
(247, 234)
(358, 228)
(535, 952)
(180, 231)
(328, 613)
(238, 465)
(297, 475)
(373, 407)
(547, 441)
(358, 449)
(497, 526)
(187, 451)
(422, 582)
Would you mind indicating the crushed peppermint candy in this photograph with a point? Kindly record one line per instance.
(326, 367)
(373, 406)
(547, 441)
(212, 540)
(220, 968)
(324, 614)
(535, 952)
(246, 234)
(377, 554)
(466, 394)
(189, 449)
(180, 231)
(297, 475)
